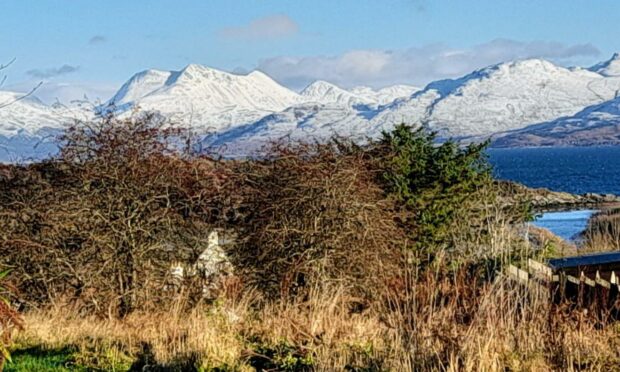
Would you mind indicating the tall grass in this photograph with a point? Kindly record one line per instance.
(511, 328)
(603, 231)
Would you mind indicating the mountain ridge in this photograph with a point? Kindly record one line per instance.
(230, 109)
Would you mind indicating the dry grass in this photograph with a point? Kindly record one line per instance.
(603, 231)
(169, 335)
(511, 328)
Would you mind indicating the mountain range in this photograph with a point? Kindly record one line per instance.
(519, 103)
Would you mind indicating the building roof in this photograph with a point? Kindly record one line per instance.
(595, 259)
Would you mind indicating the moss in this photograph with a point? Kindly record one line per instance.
(39, 359)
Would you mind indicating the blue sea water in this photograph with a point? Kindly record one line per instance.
(572, 169)
(566, 225)
(576, 170)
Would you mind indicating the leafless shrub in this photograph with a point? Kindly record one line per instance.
(103, 223)
(311, 214)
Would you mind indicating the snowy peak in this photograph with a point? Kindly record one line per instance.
(385, 95)
(205, 97)
(11, 98)
(194, 75)
(254, 90)
(140, 85)
(502, 97)
(20, 115)
(218, 87)
(608, 68)
(516, 72)
(327, 93)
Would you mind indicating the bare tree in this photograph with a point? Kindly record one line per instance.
(18, 98)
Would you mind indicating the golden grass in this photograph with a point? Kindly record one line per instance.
(170, 334)
(603, 231)
(512, 328)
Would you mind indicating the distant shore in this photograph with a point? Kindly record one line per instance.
(545, 200)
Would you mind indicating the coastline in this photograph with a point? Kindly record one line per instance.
(545, 200)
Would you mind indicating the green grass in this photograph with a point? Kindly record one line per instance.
(38, 359)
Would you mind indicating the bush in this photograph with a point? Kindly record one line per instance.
(444, 191)
(103, 223)
(311, 215)
(603, 231)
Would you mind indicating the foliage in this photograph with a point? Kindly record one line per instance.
(102, 223)
(280, 357)
(437, 185)
(332, 246)
(603, 231)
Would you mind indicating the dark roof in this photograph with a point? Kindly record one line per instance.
(585, 260)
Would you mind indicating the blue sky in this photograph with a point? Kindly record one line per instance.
(94, 46)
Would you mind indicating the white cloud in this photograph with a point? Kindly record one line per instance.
(418, 65)
(270, 27)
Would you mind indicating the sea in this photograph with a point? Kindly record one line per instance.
(576, 170)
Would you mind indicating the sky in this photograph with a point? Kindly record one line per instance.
(78, 47)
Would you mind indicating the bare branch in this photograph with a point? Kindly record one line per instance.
(3, 80)
(31, 92)
(2, 67)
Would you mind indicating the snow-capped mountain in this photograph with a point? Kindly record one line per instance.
(595, 125)
(608, 68)
(28, 127)
(326, 93)
(502, 97)
(302, 122)
(240, 112)
(385, 95)
(25, 114)
(498, 98)
(205, 98)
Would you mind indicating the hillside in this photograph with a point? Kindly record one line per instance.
(595, 125)
(503, 97)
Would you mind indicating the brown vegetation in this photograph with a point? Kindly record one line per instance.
(603, 231)
(312, 214)
(10, 319)
(363, 259)
(101, 224)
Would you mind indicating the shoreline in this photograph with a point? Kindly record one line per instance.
(546, 200)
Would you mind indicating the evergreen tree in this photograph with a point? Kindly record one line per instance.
(435, 184)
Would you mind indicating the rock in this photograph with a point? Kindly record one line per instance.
(212, 267)
(545, 199)
(213, 260)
